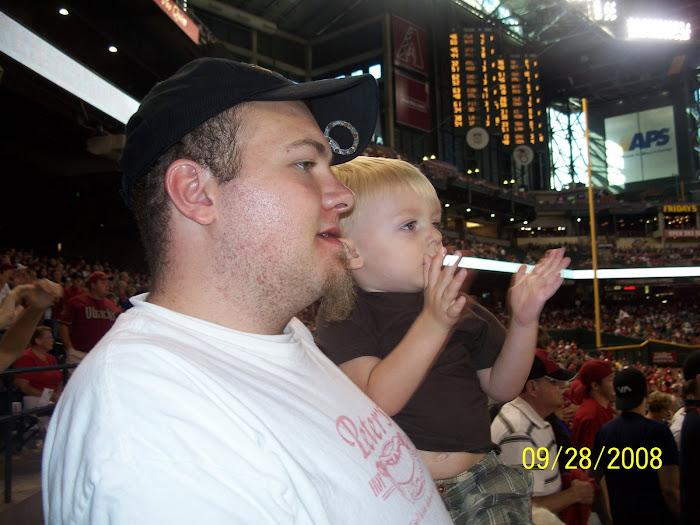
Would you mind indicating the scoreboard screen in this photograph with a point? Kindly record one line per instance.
(495, 91)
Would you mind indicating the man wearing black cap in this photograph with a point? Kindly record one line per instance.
(640, 489)
(520, 426)
(690, 446)
(208, 401)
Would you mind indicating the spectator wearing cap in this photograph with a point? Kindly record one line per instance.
(596, 409)
(690, 446)
(520, 425)
(639, 490)
(85, 318)
(209, 401)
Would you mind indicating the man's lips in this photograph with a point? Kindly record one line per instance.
(331, 233)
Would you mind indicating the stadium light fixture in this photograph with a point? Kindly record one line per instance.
(476, 263)
(25, 47)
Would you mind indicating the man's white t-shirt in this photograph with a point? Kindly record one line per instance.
(172, 419)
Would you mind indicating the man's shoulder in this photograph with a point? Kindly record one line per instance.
(512, 419)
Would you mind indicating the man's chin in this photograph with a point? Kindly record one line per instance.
(339, 293)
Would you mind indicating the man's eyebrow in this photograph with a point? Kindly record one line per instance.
(320, 147)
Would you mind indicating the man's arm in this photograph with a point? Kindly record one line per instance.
(578, 492)
(669, 481)
(526, 298)
(64, 334)
(39, 297)
(390, 382)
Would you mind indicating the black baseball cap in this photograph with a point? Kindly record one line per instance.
(691, 366)
(630, 388)
(544, 366)
(344, 108)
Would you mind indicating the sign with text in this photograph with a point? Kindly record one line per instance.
(690, 233)
(412, 102)
(641, 146)
(662, 358)
(409, 45)
(180, 18)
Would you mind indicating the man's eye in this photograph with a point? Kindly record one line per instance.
(409, 226)
(305, 165)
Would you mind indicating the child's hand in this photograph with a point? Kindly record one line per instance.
(443, 301)
(529, 291)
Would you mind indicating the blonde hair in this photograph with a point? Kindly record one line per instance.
(660, 402)
(369, 177)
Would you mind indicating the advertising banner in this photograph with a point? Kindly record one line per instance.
(412, 102)
(663, 358)
(641, 146)
(178, 16)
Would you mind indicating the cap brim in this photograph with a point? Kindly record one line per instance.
(354, 100)
(562, 375)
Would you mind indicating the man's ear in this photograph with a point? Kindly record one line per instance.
(530, 386)
(190, 187)
(355, 260)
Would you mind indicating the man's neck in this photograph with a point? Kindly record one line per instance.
(208, 305)
(543, 412)
(600, 399)
(641, 409)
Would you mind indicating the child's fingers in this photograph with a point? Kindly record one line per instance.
(551, 259)
(447, 274)
(431, 270)
(454, 285)
(455, 309)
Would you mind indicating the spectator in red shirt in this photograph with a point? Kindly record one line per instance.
(596, 409)
(34, 383)
(87, 317)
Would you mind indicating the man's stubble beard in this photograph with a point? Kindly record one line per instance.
(339, 294)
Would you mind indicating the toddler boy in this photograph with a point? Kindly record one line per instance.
(412, 346)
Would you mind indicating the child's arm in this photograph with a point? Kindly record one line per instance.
(390, 382)
(526, 297)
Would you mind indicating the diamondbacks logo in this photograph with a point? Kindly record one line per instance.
(410, 51)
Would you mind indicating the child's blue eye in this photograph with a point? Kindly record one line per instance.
(409, 226)
(436, 225)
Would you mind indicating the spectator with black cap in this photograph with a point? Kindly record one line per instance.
(690, 446)
(641, 489)
(208, 401)
(86, 318)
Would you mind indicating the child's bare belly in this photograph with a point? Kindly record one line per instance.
(449, 464)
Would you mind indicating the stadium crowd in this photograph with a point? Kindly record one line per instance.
(676, 321)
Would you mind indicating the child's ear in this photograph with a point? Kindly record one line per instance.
(355, 261)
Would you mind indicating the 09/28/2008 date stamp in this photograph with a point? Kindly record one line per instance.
(611, 458)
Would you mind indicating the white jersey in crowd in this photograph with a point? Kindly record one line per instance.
(171, 419)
